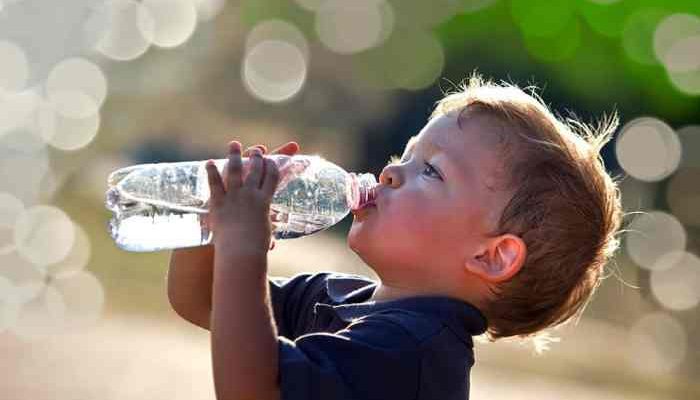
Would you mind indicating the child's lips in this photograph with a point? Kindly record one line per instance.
(364, 209)
(369, 206)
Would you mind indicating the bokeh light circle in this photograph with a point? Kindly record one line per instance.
(10, 208)
(690, 140)
(209, 9)
(657, 344)
(637, 195)
(30, 289)
(22, 273)
(604, 19)
(683, 196)
(638, 34)
(686, 82)
(82, 297)
(677, 42)
(24, 162)
(17, 109)
(351, 27)
(73, 104)
(648, 149)
(21, 142)
(393, 65)
(129, 32)
(41, 316)
(15, 67)
(677, 46)
(64, 132)
(77, 258)
(684, 55)
(44, 235)
(403, 72)
(652, 235)
(174, 20)
(676, 282)
(72, 80)
(47, 31)
(279, 30)
(274, 71)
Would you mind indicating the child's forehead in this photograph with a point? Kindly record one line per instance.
(450, 131)
(439, 134)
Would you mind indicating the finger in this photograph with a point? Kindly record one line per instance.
(249, 150)
(256, 170)
(272, 244)
(234, 167)
(216, 185)
(289, 148)
(271, 177)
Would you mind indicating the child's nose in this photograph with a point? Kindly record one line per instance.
(390, 176)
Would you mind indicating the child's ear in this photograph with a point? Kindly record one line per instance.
(500, 260)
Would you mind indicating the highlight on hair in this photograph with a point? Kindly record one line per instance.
(564, 206)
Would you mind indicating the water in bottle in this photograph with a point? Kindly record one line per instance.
(165, 205)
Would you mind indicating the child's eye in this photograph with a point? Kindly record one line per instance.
(431, 171)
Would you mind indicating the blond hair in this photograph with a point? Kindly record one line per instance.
(564, 205)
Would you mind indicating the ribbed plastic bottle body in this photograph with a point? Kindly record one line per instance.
(164, 206)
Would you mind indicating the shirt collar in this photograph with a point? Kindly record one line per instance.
(351, 295)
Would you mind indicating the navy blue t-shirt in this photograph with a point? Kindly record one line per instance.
(334, 344)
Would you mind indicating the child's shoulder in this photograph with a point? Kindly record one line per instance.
(344, 287)
(426, 319)
(419, 317)
(335, 287)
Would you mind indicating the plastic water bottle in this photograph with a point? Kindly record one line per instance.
(164, 205)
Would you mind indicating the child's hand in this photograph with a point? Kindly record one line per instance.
(239, 208)
(289, 148)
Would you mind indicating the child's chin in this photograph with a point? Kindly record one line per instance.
(357, 236)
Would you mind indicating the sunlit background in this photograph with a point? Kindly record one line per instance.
(89, 86)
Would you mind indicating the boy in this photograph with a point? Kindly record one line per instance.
(497, 219)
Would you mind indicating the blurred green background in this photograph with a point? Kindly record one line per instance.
(89, 86)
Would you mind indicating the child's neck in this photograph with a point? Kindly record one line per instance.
(385, 292)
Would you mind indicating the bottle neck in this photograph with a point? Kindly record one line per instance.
(361, 190)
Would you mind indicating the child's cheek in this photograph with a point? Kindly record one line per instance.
(404, 218)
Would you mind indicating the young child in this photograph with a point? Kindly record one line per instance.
(498, 219)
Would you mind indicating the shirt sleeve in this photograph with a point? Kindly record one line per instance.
(373, 358)
(293, 300)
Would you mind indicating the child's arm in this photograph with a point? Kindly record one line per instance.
(190, 271)
(190, 282)
(243, 333)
